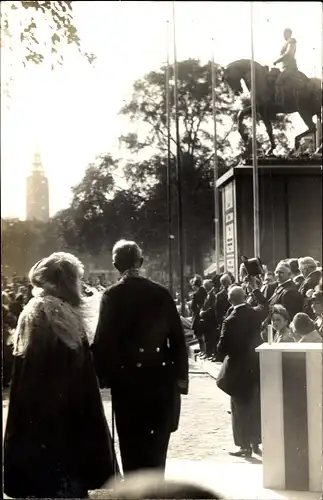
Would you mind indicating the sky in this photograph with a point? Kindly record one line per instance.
(70, 115)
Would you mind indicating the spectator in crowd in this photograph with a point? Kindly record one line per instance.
(304, 330)
(240, 335)
(285, 294)
(8, 325)
(269, 285)
(222, 303)
(140, 353)
(198, 298)
(280, 322)
(216, 283)
(317, 307)
(209, 322)
(297, 276)
(16, 305)
(57, 443)
(312, 276)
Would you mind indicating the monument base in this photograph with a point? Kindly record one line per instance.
(290, 206)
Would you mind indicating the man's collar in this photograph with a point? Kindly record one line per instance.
(311, 273)
(287, 281)
(130, 273)
(298, 276)
(239, 305)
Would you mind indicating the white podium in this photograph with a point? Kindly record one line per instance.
(291, 416)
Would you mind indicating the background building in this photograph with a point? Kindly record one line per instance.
(37, 195)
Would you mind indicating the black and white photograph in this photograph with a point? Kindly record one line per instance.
(161, 244)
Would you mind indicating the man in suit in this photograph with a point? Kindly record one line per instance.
(297, 276)
(198, 298)
(222, 303)
(285, 294)
(240, 335)
(140, 353)
(312, 276)
(208, 320)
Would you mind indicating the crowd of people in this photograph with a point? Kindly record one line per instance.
(291, 300)
(231, 318)
(57, 440)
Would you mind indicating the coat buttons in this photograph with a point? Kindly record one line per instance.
(138, 365)
(141, 349)
(163, 363)
(158, 349)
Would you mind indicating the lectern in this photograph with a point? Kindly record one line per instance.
(291, 416)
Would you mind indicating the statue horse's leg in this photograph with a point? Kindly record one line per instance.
(269, 129)
(243, 130)
(307, 117)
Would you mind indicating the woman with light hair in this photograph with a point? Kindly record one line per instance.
(57, 443)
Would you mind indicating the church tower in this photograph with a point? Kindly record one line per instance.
(37, 195)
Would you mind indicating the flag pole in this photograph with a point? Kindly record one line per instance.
(179, 178)
(169, 171)
(254, 145)
(215, 166)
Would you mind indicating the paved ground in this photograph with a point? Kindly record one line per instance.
(205, 426)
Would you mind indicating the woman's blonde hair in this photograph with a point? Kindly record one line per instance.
(58, 275)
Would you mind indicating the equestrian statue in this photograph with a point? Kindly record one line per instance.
(277, 92)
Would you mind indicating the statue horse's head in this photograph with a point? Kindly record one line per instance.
(240, 70)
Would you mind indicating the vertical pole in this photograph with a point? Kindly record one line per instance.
(215, 167)
(169, 173)
(320, 118)
(254, 145)
(179, 177)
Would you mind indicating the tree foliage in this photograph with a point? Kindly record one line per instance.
(40, 28)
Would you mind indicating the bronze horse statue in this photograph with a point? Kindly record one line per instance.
(301, 94)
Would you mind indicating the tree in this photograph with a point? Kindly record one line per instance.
(148, 107)
(54, 19)
(99, 212)
(148, 178)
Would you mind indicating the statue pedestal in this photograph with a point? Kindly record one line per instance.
(290, 205)
(291, 416)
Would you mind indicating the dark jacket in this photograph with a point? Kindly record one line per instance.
(139, 352)
(208, 312)
(309, 284)
(222, 305)
(240, 335)
(269, 289)
(198, 299)
(286, 295)
(299, 280)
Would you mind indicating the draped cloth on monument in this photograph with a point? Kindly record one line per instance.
(57, 442)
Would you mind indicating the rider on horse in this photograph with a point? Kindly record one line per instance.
(289, 65)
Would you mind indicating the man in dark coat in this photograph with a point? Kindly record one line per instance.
(222, 304)
(198, 299)
(312, 276)
(240, 335)
(140, 353)
(285, 294)
(208, 320)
